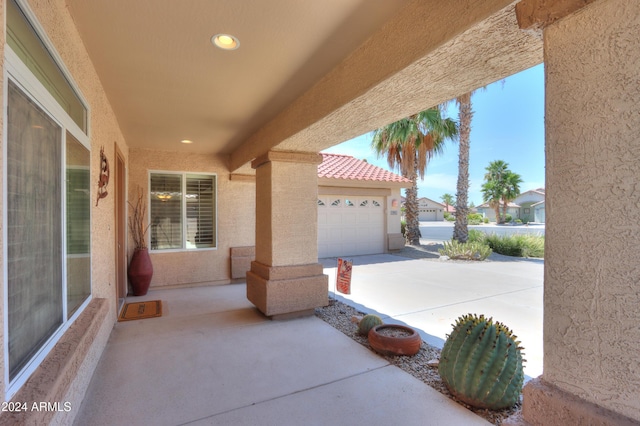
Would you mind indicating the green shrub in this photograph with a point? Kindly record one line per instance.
(506, 245)
(451, 218)
(485, 220)
(474, 216)
(465, 251)
(475, 236)
(518, 221)
(532, 245)
(519, 245)
(446, 215)
(508, 218)
(474, 222)
(403, 228)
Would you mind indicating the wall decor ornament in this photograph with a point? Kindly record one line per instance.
(103, 179)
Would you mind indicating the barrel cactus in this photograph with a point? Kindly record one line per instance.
(481, 363)
(367, 323)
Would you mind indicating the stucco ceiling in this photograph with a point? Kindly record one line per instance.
(307, 75)
(167, 82)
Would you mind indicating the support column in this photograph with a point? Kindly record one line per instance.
(286, 279)
(592, 272)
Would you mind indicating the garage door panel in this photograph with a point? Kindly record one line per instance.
(349, 226)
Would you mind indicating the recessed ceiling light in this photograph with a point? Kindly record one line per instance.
(186, 141)
(225, 41)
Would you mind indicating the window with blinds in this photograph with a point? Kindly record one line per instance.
(183, 211)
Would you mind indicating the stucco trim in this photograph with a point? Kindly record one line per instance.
(241, 177)
(287, 157)
(55, 376)
(545, 404)
(537, 14)
(286, 272)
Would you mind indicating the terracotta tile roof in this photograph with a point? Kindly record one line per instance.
(338, 166)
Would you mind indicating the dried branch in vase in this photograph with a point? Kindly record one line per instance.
(136, 221)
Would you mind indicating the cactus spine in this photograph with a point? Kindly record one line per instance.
(481, 363)
(367, 323)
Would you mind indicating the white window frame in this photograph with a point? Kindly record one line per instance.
(20, 75)
(183, 210)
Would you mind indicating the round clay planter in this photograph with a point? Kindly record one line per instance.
(407, 344)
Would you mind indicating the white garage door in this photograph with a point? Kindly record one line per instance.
(427, 214)
(350, 226)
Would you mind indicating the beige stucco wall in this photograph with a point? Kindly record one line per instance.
(236, 218)
(104, 131)
(592, 273)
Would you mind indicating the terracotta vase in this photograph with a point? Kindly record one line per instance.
(140, 272)
(407, 344)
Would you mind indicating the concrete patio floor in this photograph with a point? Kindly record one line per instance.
(212, 358)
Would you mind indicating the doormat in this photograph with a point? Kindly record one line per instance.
(141, 310)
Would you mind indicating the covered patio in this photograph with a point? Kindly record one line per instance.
(144, 77)
(214, 359)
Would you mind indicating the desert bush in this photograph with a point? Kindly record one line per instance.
(485, 220)
(465, 251)
(504, 244)
(451, 218)
(446, 215)
(508, 218)
(474, 222)
(475, 236)
(532, 245)
(518, 245)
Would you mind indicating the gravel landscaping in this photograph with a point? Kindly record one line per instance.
(423, 365)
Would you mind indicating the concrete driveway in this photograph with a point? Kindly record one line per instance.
(429, 294)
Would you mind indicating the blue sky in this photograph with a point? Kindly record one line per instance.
(508, 125)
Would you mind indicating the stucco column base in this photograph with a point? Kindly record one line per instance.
(545, 404)
(283, 292)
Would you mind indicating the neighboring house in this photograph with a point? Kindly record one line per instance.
(538, 212)
(528, 206)
(489, 212)
(358, 207)
(429, 210)
(527, 200)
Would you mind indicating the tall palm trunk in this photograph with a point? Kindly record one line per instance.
(411, 209)
(498, 218)
(460, 230)
(504, 208)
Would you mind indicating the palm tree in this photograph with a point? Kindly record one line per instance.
(511, 189)
(495, 172)
(409, 144)
(492, 194)
(465, 114)
(447, 199)
(501, 186)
